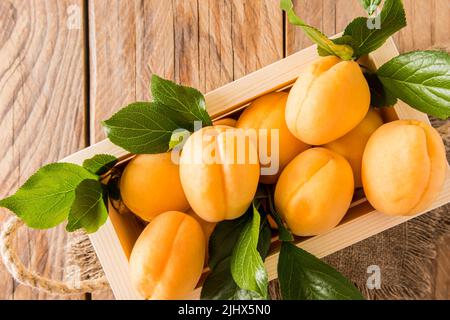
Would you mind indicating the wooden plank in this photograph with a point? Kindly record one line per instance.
(346, 11)
(215, 44)
(428, 25)
(440, 23)
(155, 45)
(8, 163)
(319, 13)
(204, 44)
(42, 109)
(112, 59)
(257, 35)
(417, 35)
(330, 16)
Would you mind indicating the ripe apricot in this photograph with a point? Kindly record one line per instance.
(207, 227)
(329, 99)
(219, 171)
(225, 122)
(352, 145)
(314, 191)
(150, 185)
(167, 259)
(404, 167)
(268, 112)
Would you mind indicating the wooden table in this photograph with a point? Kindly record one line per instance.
(67, 64)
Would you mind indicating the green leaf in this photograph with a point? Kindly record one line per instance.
(188, 103)
(219, 285)
(421, 79)
(364, 40)
(345, 52)
(100, 163)
(264, 238)
(247, 266)
(88, 210)
(379, 96)
(370, 5)
(45, 199)
(142, 127)
(224, 238)
(148, 127)
(347, 40)
(305, 277)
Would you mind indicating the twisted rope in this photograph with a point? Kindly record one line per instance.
(27, 277)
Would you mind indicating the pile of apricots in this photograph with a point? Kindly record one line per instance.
(330, 143)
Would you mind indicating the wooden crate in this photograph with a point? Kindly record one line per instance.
(114, 241)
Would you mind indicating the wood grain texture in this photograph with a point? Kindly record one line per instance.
(112, 57)
(42, 107)
(204, 44)
(428, 25)
(330, 16)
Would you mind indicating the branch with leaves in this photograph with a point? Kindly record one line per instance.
(421, 78)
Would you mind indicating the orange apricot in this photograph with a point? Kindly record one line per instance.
(352, 145)
(167, 260)
(404, 167)
(219, 171)
(314, 192)
(329, 99)
(268, 112)
(150, 185)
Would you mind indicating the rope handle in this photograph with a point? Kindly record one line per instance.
(30, 278)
